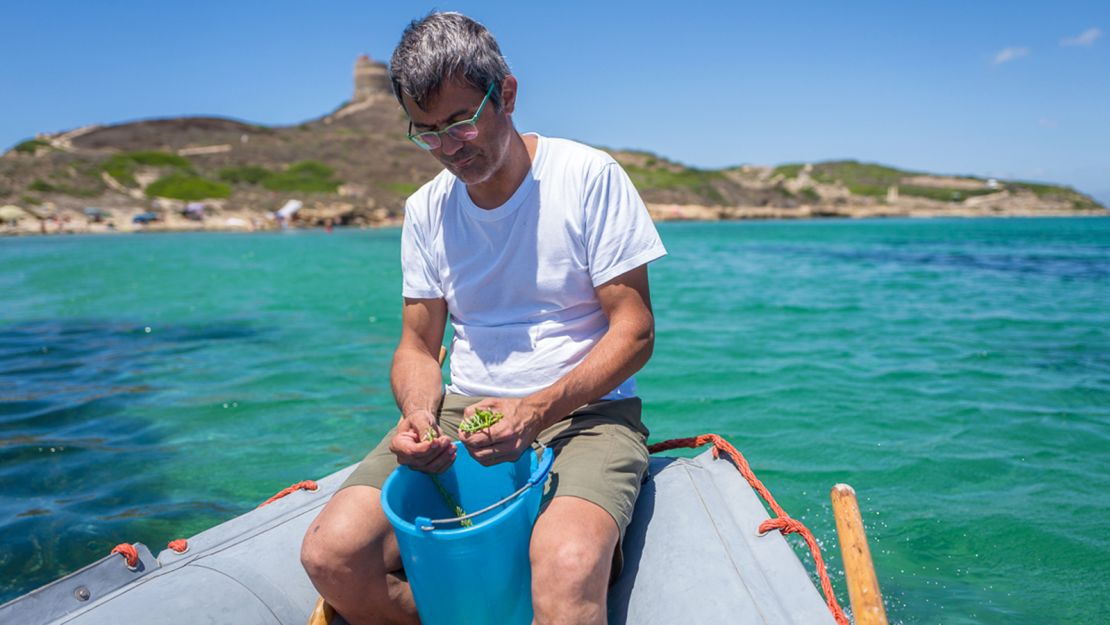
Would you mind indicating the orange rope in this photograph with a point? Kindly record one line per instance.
(129, 553)
(181, 545)
(781, 522)
(305, 485)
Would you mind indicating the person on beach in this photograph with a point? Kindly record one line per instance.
(536, 250)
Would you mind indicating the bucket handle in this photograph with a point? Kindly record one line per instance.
(542, 469)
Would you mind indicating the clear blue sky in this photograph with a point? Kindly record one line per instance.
(1015, 89)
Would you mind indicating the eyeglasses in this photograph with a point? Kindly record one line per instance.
(466, 130)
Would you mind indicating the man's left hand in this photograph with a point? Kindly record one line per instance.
(505, 440)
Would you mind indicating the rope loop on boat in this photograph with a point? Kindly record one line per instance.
(181, 545)
(129, 553)
(786, 525)
(308, 485)
(782, 521)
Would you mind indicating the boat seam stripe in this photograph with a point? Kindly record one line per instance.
(721, 539)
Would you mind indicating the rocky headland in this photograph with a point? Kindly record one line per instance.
(354, 167)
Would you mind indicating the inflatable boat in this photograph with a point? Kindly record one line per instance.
(698, 551)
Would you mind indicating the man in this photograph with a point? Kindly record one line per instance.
(537, 251)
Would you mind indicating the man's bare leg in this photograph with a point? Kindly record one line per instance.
(572, 553)
(351, 556)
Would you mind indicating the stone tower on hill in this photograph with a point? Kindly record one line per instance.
(373, 91)
(371, 80)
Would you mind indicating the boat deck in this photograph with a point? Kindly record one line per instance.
(692, 555)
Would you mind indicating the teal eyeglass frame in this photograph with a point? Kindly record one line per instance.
(454, 128)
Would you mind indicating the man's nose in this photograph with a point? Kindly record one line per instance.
(449, 145)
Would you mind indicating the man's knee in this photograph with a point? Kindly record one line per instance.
(568, 559)
(569, 581)
(572, 551)
(323, 548)
(345, 532)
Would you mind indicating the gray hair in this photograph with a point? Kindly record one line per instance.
(439, 47)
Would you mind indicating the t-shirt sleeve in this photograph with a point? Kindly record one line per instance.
(420, 277)
(620, 235)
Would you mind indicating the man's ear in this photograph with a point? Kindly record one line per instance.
(508, 94)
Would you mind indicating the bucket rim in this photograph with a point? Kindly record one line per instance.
(412, 528)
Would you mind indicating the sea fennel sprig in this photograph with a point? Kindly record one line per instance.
(482, 419)
(430, 435)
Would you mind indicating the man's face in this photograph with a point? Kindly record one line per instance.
(474, 161)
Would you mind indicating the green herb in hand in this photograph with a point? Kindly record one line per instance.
(482, 419)
(430, 435)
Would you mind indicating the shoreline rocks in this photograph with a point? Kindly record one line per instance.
(53, 220)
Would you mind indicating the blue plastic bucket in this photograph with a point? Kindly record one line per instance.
(478, 574)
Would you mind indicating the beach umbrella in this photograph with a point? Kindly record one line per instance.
(291, 207)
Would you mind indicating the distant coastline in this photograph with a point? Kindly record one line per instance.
(916, 210)
(254, 221)
(354, 167)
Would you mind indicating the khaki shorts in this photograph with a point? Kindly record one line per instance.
(600, 455)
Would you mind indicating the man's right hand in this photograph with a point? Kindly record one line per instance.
(413, 450)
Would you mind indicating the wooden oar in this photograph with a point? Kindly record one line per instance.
(323, 613)
(863, 585)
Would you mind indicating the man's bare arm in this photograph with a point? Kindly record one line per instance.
(418, 386)
(415, 377)
(621, 352)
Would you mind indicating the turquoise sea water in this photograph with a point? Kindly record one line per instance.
(955, 372)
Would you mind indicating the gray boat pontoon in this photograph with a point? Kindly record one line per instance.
(693, 554)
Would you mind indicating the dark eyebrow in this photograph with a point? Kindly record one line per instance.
(452, 118)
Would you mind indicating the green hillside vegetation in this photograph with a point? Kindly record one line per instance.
(873, 180)
(180, 182)
(122, 166)
(853, 172)
(301, 177)
(403, 189)
(42, 186)
(865, 179)
(181, 186)
(861, 178)
(245, 174)
(30, 146)
(1054, 192)
(656, 175)
(186, 184)
(80, 180)
(304, 177)
(790, 171)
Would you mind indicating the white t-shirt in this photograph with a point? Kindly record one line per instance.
(519, 279)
